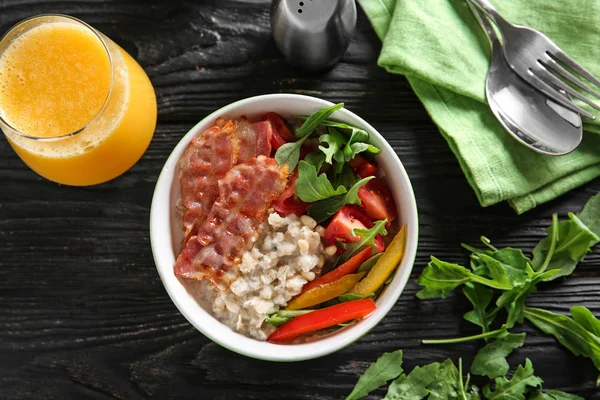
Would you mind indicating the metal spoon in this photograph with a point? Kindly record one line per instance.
(528, 115)
(313, 35)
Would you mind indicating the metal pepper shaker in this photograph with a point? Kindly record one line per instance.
(313, 34)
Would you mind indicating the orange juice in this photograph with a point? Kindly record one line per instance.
(75, 107)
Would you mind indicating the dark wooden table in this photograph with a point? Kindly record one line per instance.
(83, 313)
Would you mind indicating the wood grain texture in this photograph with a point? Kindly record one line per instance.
(83, 313)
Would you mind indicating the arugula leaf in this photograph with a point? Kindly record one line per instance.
(414, 385)
(368, 265)
(282, 316)
(351, 296)
(440, 278)
(311, 187)
(590, 215)
(555, 395)
(324, 209)
(516, 387)
(575, 240)
(568, 332)
(586, 319)
(480, 296)
(491, 361)
(498, 333)
(316, 159)
(345, 177)
(387, 367)
(512, 261)
(315, 119)
(289, 153)
(335, 141)
(445, 386)
(367, 238)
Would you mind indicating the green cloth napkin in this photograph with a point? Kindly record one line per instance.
(444, 54)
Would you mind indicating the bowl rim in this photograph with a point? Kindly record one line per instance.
(219, 332)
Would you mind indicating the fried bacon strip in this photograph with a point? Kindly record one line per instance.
(209, 157)
(245, 193)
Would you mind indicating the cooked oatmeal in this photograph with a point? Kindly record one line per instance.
(287, 254)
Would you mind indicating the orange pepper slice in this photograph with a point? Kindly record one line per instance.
(384, 267)
(322, 293)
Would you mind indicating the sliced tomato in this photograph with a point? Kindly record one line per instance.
(347, 218)
(377, 201)
(323, 318)
(288, 203)
(362, 167)
(281, 132)
(344, 221)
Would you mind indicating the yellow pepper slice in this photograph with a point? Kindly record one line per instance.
(384, 267)
(328, 291)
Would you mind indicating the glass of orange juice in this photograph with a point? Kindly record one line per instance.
(74, 106)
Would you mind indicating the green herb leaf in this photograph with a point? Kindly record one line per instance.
(516, 387)
(590, 215)
(440, 278)
(445, 386)
(335, 141)
(368, 265)
(289, 153)
(555, 395)
(575, 240)
(413, 386)
(480, 296)
(345, 177)
(487, 335)
(315, 119)
(586, 319)
(367, 238)
(282, 316)
(351, 296)
(568, 332)
(324, 209)
(491, 361)
(316, 159)
(311, 187)
(387, 367)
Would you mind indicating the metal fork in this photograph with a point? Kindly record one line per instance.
(535, 58)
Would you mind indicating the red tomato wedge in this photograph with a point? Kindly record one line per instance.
(346, 268)
(362, 167)
(347, 218)
(281, 132)
(377, 201)
(287, 202)
(323, 318)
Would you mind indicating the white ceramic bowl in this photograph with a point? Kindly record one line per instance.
(166, 235)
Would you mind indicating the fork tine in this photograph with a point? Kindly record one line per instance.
(546, 75)
(556, 67)
(555, 95)
(560, 55)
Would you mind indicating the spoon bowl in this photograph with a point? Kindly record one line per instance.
(528, 115)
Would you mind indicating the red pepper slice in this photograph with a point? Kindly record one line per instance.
(287, 202)
(349, 267)
(323, 318)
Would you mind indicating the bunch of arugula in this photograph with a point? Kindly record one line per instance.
(499, 281)
(444, 381)
(327, 191)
